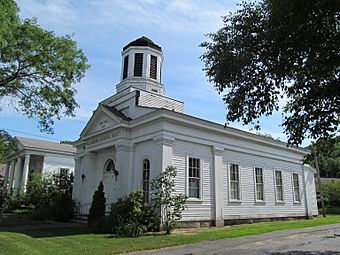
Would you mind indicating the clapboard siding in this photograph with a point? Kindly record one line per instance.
(248, 207)
(196, 210)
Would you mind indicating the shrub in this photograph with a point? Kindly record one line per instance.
(129, 216)
(97, 209)
(50, 196)
(165, 200)
(14, 200)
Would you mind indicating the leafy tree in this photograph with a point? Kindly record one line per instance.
(97, 209)
(273, 49)
(165, 200)
(7, 145)
(38, 68)
(328, 153)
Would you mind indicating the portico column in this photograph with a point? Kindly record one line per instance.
(11, 175)
(17, 173)
(218, 185)
(6, 178)
(25, 172)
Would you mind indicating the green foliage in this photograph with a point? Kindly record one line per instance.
(331, 192)
(16, 200)
(129, 216)
(270, 50)
(38, 68)
(97, 209)
(50, 196)
(7, 145)
(165, 200)
(328, 152)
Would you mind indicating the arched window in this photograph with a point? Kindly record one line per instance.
(110, 166)
(146, 179)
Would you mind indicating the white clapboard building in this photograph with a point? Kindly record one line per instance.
(33, 155)
(228, 174)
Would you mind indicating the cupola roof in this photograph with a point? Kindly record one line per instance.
(143, 41)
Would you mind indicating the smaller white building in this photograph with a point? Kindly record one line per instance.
(38, 156)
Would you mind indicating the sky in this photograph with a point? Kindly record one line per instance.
(103, 27)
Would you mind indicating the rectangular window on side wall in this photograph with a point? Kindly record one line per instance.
(138, 68)
(194, 177)
(259, 184)
(296, 186)
(125, 68)
(279, 186)
(234, 173)
(64, 171)
(153, 67)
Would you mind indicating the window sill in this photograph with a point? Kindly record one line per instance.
(192, 199)
(260, 202)
(280, 202)
(235, 201)
(297, 202)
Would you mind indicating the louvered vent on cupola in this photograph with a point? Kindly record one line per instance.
(153, 67)
(125, 68)
(138, 69)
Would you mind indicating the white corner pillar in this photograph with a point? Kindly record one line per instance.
(11, 175)
(25, 172)
(124, 168)
(164, 150)
(307, 182)
(6, 179)
(218, 185)
(18, 173)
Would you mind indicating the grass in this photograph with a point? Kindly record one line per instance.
(80, 241)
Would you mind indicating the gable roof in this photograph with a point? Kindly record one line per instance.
(108, 110)
(30, 143)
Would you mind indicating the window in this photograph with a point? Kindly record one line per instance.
(110, 166)
(296, 187)
(138, 69)
(279, 186)
(125, 68)
(194, 177)
(153, 67)
(259, 183)
(146, 180)
(64, 171)
(234, 182)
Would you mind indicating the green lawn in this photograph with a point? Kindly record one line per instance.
(79, 241)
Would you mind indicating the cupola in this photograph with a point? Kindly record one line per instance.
(141, 66)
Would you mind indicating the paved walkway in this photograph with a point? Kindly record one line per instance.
(320, 240)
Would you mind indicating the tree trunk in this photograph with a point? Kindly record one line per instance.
(319, 183)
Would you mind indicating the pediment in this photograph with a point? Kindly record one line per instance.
(102, 118)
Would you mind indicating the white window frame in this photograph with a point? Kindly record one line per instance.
(239, 182)
(105, 165)
(263, 184)
(275, 186)
(200, 198)
(143, 181)
(293, 186)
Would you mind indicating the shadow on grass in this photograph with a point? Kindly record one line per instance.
(306, 253)
(47, 230)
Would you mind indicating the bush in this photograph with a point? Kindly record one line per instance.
(129, 216)
(50, 196)
(165, 201)
(97, 209)
(15, 200)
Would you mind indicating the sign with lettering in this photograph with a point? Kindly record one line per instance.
(103, 138)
